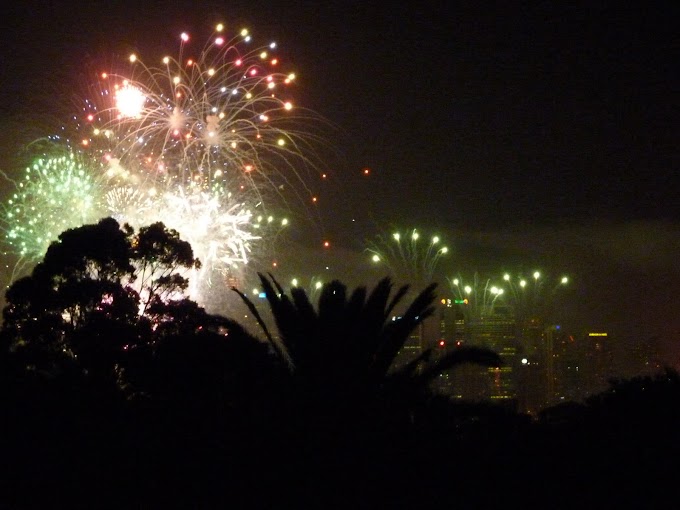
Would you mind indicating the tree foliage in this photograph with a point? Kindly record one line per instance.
(87, 302)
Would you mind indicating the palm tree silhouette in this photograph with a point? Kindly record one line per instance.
(342, 352)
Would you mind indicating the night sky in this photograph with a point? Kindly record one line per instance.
(540, 135)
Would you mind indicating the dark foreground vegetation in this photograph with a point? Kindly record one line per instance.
(114, 395)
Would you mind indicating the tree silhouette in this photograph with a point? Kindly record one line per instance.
(85, 304)
(159, 254)
(342, 353)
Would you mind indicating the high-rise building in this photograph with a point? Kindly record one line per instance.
(598, 361)
(411, 349)
(496, 331)
(544, 361)
(532, 367)
(451, 335)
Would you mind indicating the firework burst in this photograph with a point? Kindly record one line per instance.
(524, 296)
(221, 230)
(54, 194)
(408, 255)
(219, 115)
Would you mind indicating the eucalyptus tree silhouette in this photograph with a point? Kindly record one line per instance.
(85, 304)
